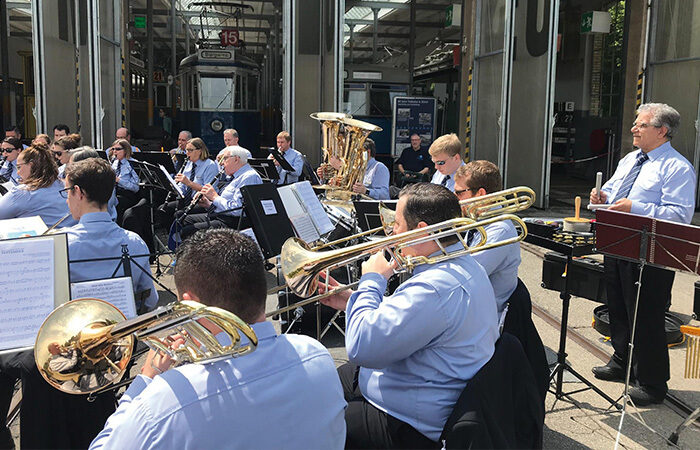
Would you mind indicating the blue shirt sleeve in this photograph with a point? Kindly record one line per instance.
(127, 178)
(677, 197)
(11, 204)
(379, 185)
(383, 330)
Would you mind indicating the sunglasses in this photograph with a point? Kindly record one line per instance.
(8, 150)
(58, 153)
(439, 163)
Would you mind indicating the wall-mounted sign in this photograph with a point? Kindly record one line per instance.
(139, 21)
(412, 115)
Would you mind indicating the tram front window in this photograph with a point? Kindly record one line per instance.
(216, 92)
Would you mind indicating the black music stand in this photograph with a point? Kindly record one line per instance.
(280, 159)
(156, 158)
(265, 168)
(368, 217)
(152, 179)
(570, 251)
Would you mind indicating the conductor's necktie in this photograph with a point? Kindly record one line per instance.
(629, 180)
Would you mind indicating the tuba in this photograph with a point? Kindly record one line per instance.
(84, 346)
(331, 140)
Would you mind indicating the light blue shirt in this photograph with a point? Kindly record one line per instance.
(294, 159)
(62, 172)
(96, 236)
(128, 179)
(9, 171)
(285, 394)
(44, 202)
(418, 348)
(438, 177)
(500, 263)
(112, 205)
(377, 180)
(205, 171)
(664, 188)
(231, 196)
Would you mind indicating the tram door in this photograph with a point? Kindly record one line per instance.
(491, 80)
(674, 54)
(513, 90)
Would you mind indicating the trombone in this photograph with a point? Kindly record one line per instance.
(302, 266)
(84, 346)
(507, 201)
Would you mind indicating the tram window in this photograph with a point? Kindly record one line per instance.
(216, 92)
(252, 92)
(380, 101)
(239, 97)
(355, 102)
(194, 98)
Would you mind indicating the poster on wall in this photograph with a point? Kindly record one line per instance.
(412, 115)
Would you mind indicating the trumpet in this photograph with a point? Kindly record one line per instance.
(302, 266)
(85, 345)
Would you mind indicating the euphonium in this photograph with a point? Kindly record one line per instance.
(84, 345)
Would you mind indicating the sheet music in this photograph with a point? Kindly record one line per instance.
(305, 228)
(313, 206)
(177, 186)
(117, 291)
(26, 290)
(21, 227)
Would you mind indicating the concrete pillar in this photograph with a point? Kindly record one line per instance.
(637, 16)
(467, 60)
(149, 63)
(5, 67)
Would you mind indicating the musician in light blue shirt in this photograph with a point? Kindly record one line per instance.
(376, 180)
(416, 349)
(127, 178)
(199, 169)
(88, 186)
(446, 154)
(233, 403)
(38, 193)
(225, 209)
(86, 152)
(476, 179)
(11, 147)
(293, 157)
(654, 181)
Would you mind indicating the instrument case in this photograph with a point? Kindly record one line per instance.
(585, 276)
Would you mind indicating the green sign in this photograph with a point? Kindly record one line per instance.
(139, 21)
(587, 22)
(449, 13)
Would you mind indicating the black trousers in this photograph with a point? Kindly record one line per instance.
(126, 199)
(650, 364)
(369, 427)
(49, 418)
(138, 219)
(195, 222)
(167, 211)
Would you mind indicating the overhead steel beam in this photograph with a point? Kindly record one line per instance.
(395, 23)
(19, 5)
(380, 35)
(188, 14)
(219, 27)
(370, 4)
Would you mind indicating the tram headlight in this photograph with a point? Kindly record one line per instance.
(216, 125)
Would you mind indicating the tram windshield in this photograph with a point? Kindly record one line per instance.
(216, 92)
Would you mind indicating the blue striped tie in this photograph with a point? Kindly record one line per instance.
(629, 180)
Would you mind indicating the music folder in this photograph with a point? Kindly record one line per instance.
(268, 218)
(277, 154)
(265, 168)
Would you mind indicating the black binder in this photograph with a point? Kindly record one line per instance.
(271, 228)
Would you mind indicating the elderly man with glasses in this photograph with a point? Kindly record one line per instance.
(654, 181)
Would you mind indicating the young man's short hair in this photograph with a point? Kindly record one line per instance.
(223, 268)
(284, 135)
(448, 144)
(95, 177)
(481, 174)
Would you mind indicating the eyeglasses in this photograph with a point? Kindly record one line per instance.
(20, 165)
(8, 150)
(642, 125)
(190, 150)
(439, 163)
(64, 192)
(459, 192)
(58, 153)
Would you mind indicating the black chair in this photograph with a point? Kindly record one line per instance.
(519, 323)
(500, 407)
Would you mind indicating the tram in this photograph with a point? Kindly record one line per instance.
(221, 89)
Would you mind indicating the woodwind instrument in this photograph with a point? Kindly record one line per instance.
(196, 197)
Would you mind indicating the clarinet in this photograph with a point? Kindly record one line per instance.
(196, 197)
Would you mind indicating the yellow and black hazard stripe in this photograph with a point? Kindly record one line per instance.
(640, 82)
(123, 93)
(469, 115)
(77, 90)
